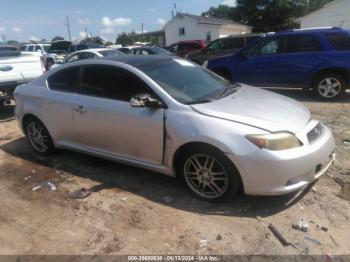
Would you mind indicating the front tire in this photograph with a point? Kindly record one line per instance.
(329, 86)
(209, 174)
(38, 136)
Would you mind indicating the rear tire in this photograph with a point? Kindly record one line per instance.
(209, 174)
(329, 86)
(38, 136)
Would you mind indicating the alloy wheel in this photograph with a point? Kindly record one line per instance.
(329, 87)
(205, 176)
(38, 136)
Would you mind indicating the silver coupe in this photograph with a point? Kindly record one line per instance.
(171, 116)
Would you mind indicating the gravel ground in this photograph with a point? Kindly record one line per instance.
(132, 211)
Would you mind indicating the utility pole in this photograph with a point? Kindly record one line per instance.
(141, 28)
(68, 28)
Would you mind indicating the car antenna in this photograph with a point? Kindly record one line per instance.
(25, 81)
(342, 22)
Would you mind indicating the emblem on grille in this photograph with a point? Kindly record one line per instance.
(317, 131)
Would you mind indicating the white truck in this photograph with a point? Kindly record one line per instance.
(16, 68)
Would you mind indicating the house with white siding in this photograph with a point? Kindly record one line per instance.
(333, 14)
(184, 27)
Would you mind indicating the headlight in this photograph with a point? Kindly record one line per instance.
(205, 64)
(275, 141)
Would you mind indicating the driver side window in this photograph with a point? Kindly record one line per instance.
(267, 47)
(112, 83)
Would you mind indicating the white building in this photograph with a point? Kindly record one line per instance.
(192, 27)
(336, 13)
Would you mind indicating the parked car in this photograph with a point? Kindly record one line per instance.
(59, 50)
(317, 59)
(125, 50)
(16, 68)
(181, 49)
(221, 47)
(43, 49)
(150, 51)
(79, 47)
(89, 54)
(92, 53)
(172, 116)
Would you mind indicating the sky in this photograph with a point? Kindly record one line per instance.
(25, 20)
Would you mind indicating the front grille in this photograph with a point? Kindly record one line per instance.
(315, 133)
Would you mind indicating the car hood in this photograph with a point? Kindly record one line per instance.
(259, 108)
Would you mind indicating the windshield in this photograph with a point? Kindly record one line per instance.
(110, 52)
(186, 82)
(159, 50)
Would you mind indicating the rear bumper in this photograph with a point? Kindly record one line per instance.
(280, 172)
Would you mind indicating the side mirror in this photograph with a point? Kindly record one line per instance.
(145, 101)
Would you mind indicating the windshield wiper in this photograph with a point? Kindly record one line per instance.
(228, 90)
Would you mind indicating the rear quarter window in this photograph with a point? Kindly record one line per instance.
(340, 41)
(234, 43)
(66, 80)
(301, 43)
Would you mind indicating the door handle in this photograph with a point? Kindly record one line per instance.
(80, 109)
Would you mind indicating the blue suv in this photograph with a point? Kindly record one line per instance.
(315, 58)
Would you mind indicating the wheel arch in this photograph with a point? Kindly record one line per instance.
(333, 70)
(27, 117)
(186, 146)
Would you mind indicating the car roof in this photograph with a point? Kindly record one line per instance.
(135, 60)
(241, 35)
(93, 50)
(311, 30)
(191, 41)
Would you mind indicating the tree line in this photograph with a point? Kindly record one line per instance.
(262, 15)
(266, 15)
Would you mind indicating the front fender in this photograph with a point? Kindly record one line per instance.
(182, 128)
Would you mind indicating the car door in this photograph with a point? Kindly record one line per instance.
(108, 124)
(58, 102)
(298, 60)
(256, 65)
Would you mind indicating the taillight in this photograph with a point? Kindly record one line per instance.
(43, 64)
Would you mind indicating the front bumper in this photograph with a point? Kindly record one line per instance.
(267, 172)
